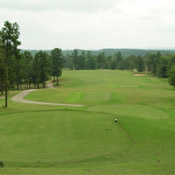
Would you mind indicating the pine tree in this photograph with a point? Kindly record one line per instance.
(9, 37)
(57, 63)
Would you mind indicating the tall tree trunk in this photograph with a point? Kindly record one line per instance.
(17, 86)
(57, 80)
(37, 85)
(44, 84)
(6, 77)
(1, 88)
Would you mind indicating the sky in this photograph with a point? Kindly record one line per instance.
(92, 24)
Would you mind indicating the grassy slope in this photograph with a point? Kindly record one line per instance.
(57, 140)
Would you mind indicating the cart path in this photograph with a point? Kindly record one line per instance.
(20, 98)
(49, 84)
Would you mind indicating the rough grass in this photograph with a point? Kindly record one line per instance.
(38, 139)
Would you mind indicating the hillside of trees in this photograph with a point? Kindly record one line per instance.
(109, 52)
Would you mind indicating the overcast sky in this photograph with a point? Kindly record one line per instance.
(92, 24)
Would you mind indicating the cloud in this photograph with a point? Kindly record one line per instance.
(60, 5)
(92, 24)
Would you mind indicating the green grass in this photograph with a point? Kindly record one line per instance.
(36, 139)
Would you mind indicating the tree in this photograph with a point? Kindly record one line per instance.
(140, 64)
(118, 58)
(41, 68)
(130, 62)
(2, 70)
(101, 60)
(82, 61)
(44, 67)
(36, 71)
(27, 68)
(108, 62)
(172, 76)
(113, 65)
(9, 36)
(153, 63)
(75, 59)
(163, 67)
(171, 62)
(57, 62)
(17, 68)
(68, 62)
(91, 64)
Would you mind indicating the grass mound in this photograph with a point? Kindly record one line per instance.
(54, 138)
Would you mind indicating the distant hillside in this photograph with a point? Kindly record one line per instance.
(108, 52)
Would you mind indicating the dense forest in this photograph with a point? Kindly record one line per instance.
(24, 69)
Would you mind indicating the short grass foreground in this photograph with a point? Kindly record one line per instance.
(38, 139)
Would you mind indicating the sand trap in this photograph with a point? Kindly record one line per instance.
(140, 75)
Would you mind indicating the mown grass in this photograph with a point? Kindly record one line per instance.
(38, 139)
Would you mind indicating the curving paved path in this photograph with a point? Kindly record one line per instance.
(20, 98)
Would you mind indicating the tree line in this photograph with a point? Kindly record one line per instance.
(109, 52)
(22, 70)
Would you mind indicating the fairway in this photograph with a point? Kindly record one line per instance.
(43, 139)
